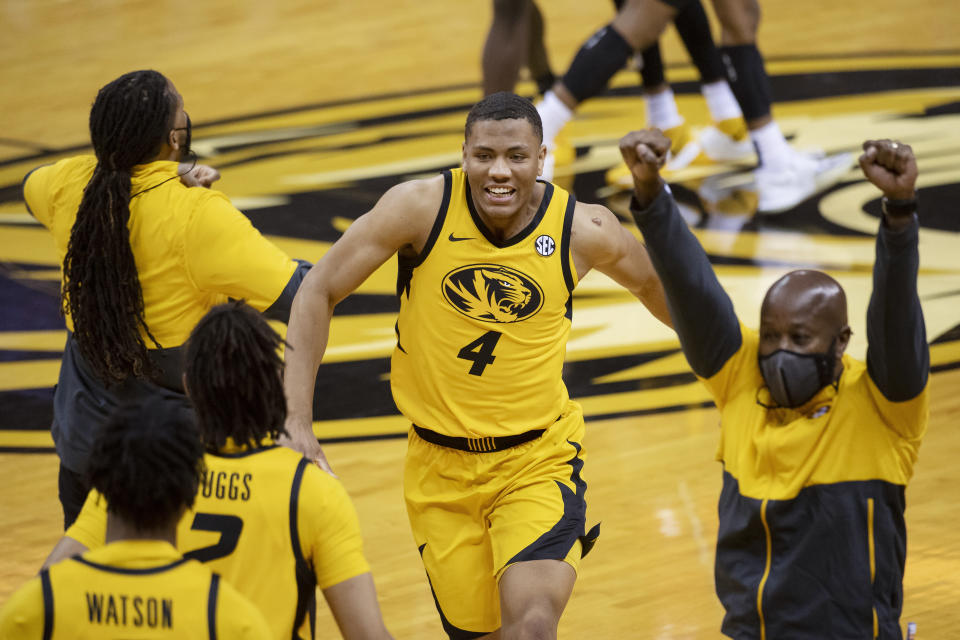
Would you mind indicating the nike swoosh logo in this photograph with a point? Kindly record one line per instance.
(454, 238)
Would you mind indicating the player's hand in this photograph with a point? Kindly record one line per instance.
(891, 167)
(306, 443)
(200, 175)
(645, 152)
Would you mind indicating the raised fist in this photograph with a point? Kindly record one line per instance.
(645, 152)
(891, 167)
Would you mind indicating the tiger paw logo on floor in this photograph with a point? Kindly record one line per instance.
(492, 293)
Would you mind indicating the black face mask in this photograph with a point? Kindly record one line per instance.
(793, 378)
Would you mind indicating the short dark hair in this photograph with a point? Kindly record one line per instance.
(147, 460)
(504, 106)
(234, 376)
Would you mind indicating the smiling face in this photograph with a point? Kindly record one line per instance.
(502, 159)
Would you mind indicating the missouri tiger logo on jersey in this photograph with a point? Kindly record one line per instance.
(492, 293)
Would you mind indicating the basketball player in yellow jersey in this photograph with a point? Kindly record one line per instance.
(147, 460)
(488, 259)
(273, 525)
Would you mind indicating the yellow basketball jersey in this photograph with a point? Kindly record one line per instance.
(273, 525)
(483, 325)
(140, 589)
(244, 526)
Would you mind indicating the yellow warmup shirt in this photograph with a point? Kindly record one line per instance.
(273, 525)
(129, 590)
(193, 249)
(483, 325)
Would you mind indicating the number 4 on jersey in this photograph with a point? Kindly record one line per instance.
(480, 352)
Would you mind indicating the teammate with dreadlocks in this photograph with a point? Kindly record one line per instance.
(252, 487)
(144, 257)
(147, 461)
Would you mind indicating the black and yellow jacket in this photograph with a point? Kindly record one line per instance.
(812, 539)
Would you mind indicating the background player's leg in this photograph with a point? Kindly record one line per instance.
(740, 20)
(506, 45)
(538, 62)
(784, 178)
(659, 102)
(693, 26)
(532, 596)
(636, 26)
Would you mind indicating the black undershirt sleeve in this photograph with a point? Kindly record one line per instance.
(280, 309)
(898, 357)
(702, 313)
(23, 183)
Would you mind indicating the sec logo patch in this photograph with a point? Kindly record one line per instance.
(545, 246)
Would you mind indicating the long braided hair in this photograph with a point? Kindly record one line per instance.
(233, 372)
(128, 124)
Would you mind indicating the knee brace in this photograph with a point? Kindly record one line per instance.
(596, 62)
(748, 79)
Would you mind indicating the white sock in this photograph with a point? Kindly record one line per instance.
(720, 101)
(772, 148)
(554, 115)
(662, 110)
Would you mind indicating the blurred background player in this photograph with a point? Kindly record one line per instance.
(147, 461)
(726, 139)
(517, 28)
(784, 177)
(515, 40)
(143, 257)
(274, 525)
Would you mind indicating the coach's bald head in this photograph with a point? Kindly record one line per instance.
(805, 311)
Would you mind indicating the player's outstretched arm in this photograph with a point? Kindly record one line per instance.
(701, 311)
(88, 531)
(402, 217)
(898, 357)
(66, 547)
(601, 242)
(355, 608)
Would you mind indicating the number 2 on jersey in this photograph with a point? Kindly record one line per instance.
(229, 528)
(480, 352)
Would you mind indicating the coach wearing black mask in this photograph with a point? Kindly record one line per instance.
(817, 447)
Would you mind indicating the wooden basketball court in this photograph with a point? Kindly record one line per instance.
(312, 109)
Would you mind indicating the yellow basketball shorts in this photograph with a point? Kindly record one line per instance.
(474, 514)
